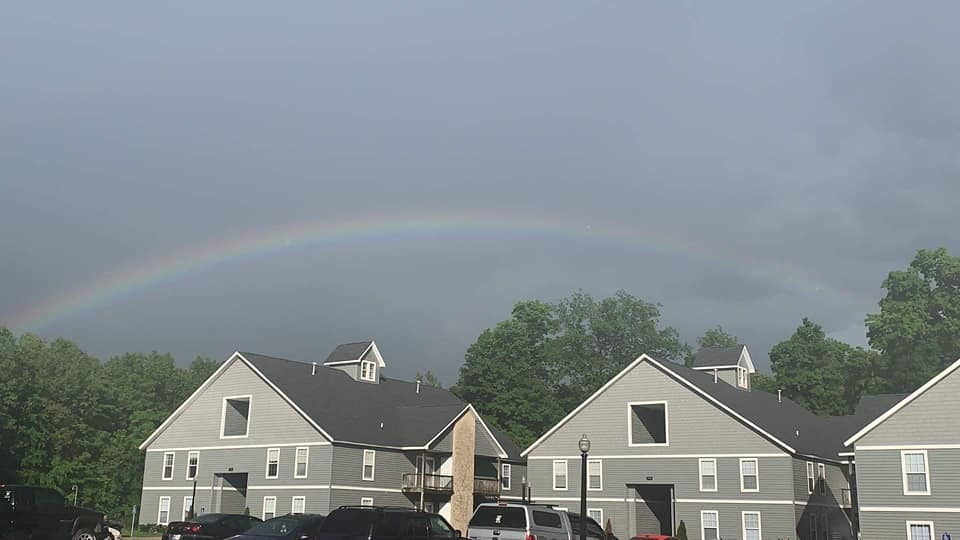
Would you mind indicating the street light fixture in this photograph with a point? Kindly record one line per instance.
(584, 445)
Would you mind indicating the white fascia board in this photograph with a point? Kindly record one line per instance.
(711, 368)
(745, 355)
(902, 403)
(214, 376)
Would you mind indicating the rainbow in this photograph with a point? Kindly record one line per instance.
(148, 273)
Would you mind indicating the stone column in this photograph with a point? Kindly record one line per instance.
(464, 444)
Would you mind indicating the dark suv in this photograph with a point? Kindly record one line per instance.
(383, 523)
(40, 513)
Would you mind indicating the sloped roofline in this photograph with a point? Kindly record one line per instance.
(376, 353)
(216, 375)
(656, 363)
(469, 407)
(745, 355)
(902, 403)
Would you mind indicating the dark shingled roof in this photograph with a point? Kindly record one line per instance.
(717, 356)
(352, 411)
(348, 352)
(818, 435)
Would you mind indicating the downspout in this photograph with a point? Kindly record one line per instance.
(423, 476)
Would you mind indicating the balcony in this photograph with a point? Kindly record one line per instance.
(432, 483)
(486, 487)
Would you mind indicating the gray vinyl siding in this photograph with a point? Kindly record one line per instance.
(350, 497)
(272, 419)
(728, 376)
(389, 467)
(924, 420)
(694, 424)
(252, 461)
(840, 527)
(518, 473)
(880, 476)
(484, 445)
(353, 370)
(837, 477)
(893, 525)
(317, 500)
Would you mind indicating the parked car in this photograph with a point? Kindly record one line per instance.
(515, 521)
(288, 527)
(210, 527)
(382, 523)
(40, 513)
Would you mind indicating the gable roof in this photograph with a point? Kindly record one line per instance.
(390, 414)
(902, 403)
(348, 353)
(722, 357)
(781, 421)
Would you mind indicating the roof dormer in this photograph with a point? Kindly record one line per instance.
(361, 360)
(731, 365)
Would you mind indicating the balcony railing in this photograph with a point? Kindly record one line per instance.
(845, 497)
(432, 483)
(486, 487)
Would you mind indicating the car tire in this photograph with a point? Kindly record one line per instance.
(84, 534)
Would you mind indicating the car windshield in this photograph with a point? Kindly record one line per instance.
(353, 522)
(280, 526)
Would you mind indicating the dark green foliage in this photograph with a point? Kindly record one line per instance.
(714, 337)
(67, 419)
(429, 378)
(682, 531)
(530, 370)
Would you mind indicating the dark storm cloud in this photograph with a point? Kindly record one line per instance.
(817, 137)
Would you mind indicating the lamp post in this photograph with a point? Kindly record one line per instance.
(584, 445)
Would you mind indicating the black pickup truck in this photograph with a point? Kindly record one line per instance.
(36, 513)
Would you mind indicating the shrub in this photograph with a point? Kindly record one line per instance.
(682, 531)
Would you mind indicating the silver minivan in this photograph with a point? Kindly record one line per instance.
(514, 521)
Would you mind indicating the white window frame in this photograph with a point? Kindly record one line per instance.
(373, 465)
(160, 510)
(599, 463)
(266, 473)
(741, 377)
(716, 481)
(926, 472)
(187, 502)
(756, 463)
(811, 478)
(566, 475)
(163, 466)
(666, 424)
(306, 462)
(703, 530)
(933, 534)
(366, 501)
(293, 504)
(599, 521)
(263, 513)
(370, 368)
(743, 524)
(191, 454)
(506, 470)
(822, 478)
(223, 416)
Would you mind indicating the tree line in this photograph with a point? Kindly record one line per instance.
(530, 370)
(66, 418)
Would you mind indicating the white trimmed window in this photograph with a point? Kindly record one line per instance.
(560, 474)
(751, 526)
(708, 474)
(369, 464)
(299, 505)
(193, 464)
(916, 472)
(269, 508)
(749, 475)
(811, 479)
(742, 377)
(920, 530)
(648, 423)
(163, 511)
(505, 471)
(301, 461)
(187, 503)
(709, 525)
(594, 475)
(366, 501)
(273, 463)
(168, 459)
(822, 478)
(368, 370)
(596, 514)
(235, 417)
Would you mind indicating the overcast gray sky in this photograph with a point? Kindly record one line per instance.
(774, 160)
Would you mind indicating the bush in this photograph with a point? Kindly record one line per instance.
(682, 531)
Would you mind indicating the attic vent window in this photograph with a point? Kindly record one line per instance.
(235, 419)
(368, 370)
(647, 424)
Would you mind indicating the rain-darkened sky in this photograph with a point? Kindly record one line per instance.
(743, 164)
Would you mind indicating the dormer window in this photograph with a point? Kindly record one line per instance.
(741, 377)
(368, 370)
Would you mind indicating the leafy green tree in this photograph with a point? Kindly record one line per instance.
(429, 378)
(918, 326)
(764, 381)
